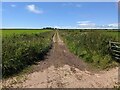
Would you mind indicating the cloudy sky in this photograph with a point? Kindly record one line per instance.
(60, 14)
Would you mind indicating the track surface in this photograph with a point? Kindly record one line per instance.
(62, 69)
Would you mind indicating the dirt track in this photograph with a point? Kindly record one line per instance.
(62, 69)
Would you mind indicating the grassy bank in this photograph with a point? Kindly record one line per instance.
(92, 46)
(21, 49)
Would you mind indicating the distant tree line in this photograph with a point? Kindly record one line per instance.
(50, 28)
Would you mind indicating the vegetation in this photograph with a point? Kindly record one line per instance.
(21, 49)
(91, 45)
(9, 32)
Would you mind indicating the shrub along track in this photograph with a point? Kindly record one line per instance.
(62, 69)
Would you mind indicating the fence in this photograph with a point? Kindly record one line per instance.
(115, 50)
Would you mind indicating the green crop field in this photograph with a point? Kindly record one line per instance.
(92, 46)
(22, 31)
(22, 48)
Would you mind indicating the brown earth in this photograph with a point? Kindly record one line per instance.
(62, 69)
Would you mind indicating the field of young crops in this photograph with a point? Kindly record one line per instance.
(9, 32)
(21, 48)
(91, 45)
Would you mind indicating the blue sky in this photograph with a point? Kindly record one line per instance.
(59, 14)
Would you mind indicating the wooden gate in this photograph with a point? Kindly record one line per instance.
(115, 50)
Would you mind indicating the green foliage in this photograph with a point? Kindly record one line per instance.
(92, 46)
(21, 50)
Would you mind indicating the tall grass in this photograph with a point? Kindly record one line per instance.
(92, 46)
(21, 50)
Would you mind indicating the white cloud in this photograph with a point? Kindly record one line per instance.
(62, 27)
(83, 21)
(109, 26)
(86, 24)
(13, 5)
(72, 5)
(91, 25)
(113, 25)
(34, 9)
(56, 27)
